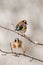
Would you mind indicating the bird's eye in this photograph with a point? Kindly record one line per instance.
(15, 40)
(24, 21)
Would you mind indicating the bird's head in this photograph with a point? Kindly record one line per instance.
(16, 40)
(24, 21)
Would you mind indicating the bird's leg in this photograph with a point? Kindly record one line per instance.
(22, 34)
(11, 47)
(24, 50)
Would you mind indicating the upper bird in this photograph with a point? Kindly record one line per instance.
(21, 26)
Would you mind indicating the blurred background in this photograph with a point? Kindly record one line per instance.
(11, 12)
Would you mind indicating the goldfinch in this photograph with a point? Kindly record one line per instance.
(17, 44)
(21, 26)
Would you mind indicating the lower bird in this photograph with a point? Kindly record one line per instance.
(17, 44)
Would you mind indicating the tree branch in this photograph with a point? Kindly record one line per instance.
(21, 54)
(28, 38)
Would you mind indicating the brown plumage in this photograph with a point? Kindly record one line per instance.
(17, 43)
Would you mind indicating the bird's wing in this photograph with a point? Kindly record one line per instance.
(19, 27)
(20, 44)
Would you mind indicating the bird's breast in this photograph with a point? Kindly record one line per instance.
(17, 45)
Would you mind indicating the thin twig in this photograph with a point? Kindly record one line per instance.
(28, 38)
(11, 47)
(21, 54)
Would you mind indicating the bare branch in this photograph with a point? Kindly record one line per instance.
(21, 54)
(11, 47)
(28, 38)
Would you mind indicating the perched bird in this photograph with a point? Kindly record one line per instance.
(17, 44)
(21, 26)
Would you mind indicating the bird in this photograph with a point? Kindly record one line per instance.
(17, 44)
(21, 26)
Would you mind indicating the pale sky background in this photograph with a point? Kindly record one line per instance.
(11, 12)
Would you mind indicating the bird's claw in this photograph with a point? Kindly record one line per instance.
(16, 55)
(31, 60)
(23, 35)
